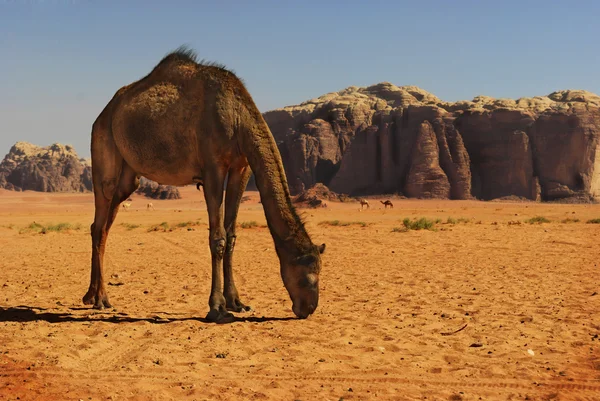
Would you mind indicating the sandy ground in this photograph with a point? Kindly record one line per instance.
(527, 298)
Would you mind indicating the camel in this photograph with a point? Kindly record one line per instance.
(387, 203)
(364, 202)
(192, 122)
(126, 205)
(150, 206)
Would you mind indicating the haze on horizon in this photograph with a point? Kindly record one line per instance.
(62, 61)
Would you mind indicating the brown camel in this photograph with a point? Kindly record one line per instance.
(387, 203)
(192, 122)
(364, 202)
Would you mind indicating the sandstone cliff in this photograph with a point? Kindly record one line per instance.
(385, 139)
(57, 168)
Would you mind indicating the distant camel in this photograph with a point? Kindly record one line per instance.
(126, 205)
(364, 202)
(190, 122)
(150, 206)
(387, 203)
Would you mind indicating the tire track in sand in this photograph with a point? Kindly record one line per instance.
(592, 386)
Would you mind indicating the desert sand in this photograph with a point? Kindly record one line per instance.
(486, 308)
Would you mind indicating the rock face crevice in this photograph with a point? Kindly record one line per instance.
(386, 139)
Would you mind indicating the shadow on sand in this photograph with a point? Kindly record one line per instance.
(23, 314)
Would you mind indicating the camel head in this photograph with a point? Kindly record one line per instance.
(301, 279)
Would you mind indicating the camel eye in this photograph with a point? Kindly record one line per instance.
(306, 260)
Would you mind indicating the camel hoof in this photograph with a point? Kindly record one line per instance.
(219, 316)
(88, 299)
(238, 306)
(102, 303)
(99, 302)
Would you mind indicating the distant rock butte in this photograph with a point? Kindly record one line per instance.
(57, 168)
(390, 139)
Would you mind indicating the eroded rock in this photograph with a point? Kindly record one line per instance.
(364, 141)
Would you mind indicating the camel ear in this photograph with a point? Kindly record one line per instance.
(321, 248)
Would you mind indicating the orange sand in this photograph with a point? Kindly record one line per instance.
(386, 327)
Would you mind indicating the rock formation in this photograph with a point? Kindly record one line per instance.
(153, 190)
(425, 177)
(57, 168)
(389, 139)
(317, 195)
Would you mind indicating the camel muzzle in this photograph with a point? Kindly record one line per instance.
(303, 310)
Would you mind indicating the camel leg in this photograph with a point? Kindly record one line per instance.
(213, 194)
(236, 184)
(113, 181)
(128, 183)
(106, 169)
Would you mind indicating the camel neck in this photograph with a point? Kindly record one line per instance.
(259, 147)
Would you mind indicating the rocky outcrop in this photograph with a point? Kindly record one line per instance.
(425, 177)
(152, 189)
(567, 153)
(389, 139)
(57, 168)
(500, 152)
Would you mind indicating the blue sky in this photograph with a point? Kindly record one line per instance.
(62, 61)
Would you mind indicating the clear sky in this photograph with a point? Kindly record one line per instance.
(62, 61)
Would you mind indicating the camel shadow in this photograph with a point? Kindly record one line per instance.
(24, 314)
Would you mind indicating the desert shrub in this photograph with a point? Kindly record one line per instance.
(422, 223)
(164, 226)
(594, 221)
(337, 223)
(185, 224)
(537, 220)
(249, 224)
(130, 226)
(569, 220)
(59, 227)
(33, 227)
(453, 221)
